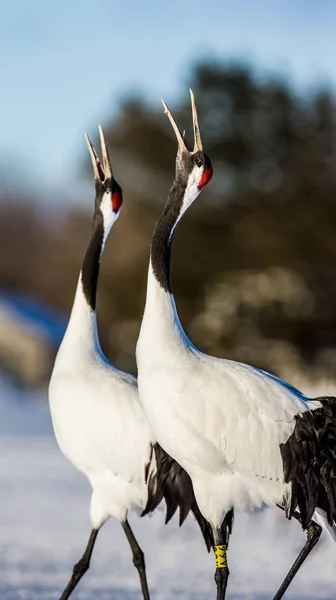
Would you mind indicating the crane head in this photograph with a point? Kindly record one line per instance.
(192, 164)
(108, 191)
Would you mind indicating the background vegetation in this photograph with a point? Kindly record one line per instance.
(254, 265)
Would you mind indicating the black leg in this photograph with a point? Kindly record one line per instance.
(81, 567)
(138, 558)
(313, 534)
(222, 570)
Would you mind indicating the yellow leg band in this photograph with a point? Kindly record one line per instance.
(220, 554)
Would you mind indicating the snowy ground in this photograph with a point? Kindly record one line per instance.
(44, 526)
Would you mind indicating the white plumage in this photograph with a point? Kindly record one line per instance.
(98, 420)
(99, 423)
(245, 437)
(226, 419)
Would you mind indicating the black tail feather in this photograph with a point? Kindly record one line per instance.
(309, 459)
(173, 484)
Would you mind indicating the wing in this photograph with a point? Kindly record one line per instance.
(106, 430)
(126, 440)
(242, 414)
(309, 458)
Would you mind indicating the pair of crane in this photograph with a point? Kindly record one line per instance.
(208, 435)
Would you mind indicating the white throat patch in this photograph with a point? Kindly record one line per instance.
(109, 216)
(191, 193)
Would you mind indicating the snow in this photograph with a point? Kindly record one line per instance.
(44, 526)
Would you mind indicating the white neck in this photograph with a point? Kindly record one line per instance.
(161, 336)
(81, 336)
(161, 331)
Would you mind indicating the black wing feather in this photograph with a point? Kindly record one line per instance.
(309, 460)
(173, 484)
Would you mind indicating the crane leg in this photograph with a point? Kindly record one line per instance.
(138, 558)
(222, 570)
(81, 567)
(313, 535)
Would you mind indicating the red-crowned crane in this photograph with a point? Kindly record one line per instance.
(245, 437)
(98, 420)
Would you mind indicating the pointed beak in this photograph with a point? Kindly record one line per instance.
(106, 158)
(198, 146)
(182, 142)
(97, 168)
(100, 173)
(178, 134)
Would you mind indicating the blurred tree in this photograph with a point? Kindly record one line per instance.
(271, 201)
(254, 266)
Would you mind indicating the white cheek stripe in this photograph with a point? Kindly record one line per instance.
(109, 216)
(190, 194)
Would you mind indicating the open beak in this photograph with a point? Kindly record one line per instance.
(183, 144)
(198, 146)
(100, 172)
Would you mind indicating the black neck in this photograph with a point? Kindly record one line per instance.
(91, 262)
(162, 236)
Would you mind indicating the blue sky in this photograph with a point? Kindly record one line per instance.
(65, 64)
